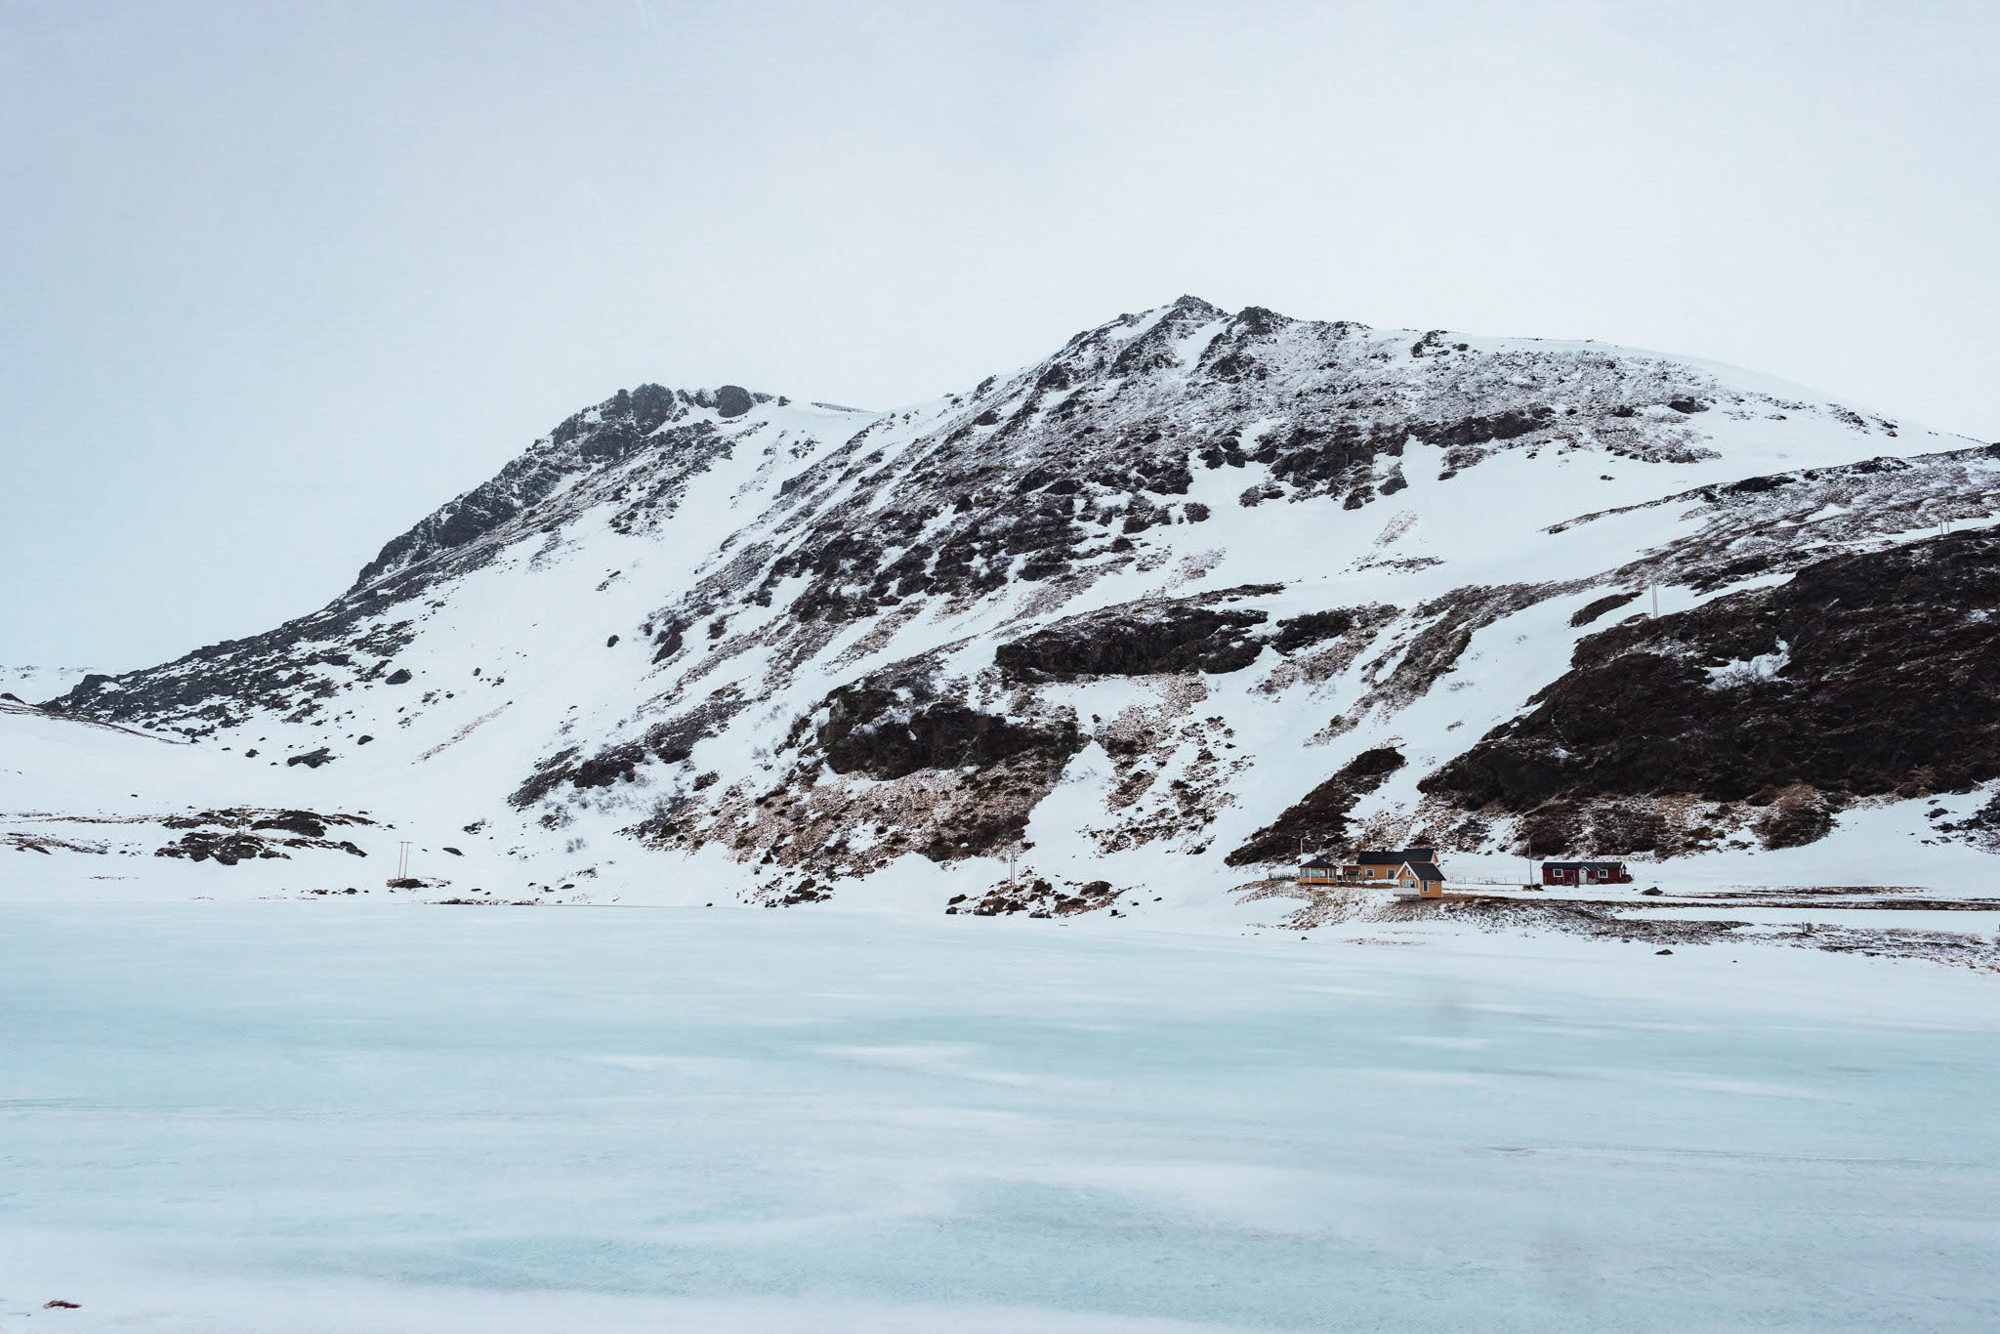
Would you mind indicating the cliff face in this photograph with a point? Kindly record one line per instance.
(1178, 590)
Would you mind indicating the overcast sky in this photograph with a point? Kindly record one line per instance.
(279, 279)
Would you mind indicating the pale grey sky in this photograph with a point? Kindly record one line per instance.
(280, 279)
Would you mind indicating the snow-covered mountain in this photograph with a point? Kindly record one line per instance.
(1195, 593)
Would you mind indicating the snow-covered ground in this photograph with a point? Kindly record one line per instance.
(355, 1113)
(35, 684)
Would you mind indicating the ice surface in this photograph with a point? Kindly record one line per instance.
(344, 1115)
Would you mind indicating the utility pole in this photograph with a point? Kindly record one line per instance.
(403, 861)
(1656, 602)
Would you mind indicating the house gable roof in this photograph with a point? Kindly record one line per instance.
(1393, 857)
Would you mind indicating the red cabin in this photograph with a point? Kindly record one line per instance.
(1585, 873)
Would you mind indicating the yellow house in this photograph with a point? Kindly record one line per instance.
(1412, 871)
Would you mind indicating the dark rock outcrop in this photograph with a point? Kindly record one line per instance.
(1297, 632)
(224, 847)
(1590, 611)
(1137, 641)
(668, 742)
(240, 834)
(1863, 675)
(884, 729)
(1319, 819)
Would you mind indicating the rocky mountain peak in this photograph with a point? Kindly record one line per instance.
(1199, 572)
(648, 419)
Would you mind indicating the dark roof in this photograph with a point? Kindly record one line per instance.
(1584, 866)
(1426, 871)
(1382, 857)
(1317, 864)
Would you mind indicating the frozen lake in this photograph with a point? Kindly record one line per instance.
(343, 1115)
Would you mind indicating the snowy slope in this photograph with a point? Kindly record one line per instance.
(1195, 592)
(33, 683)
